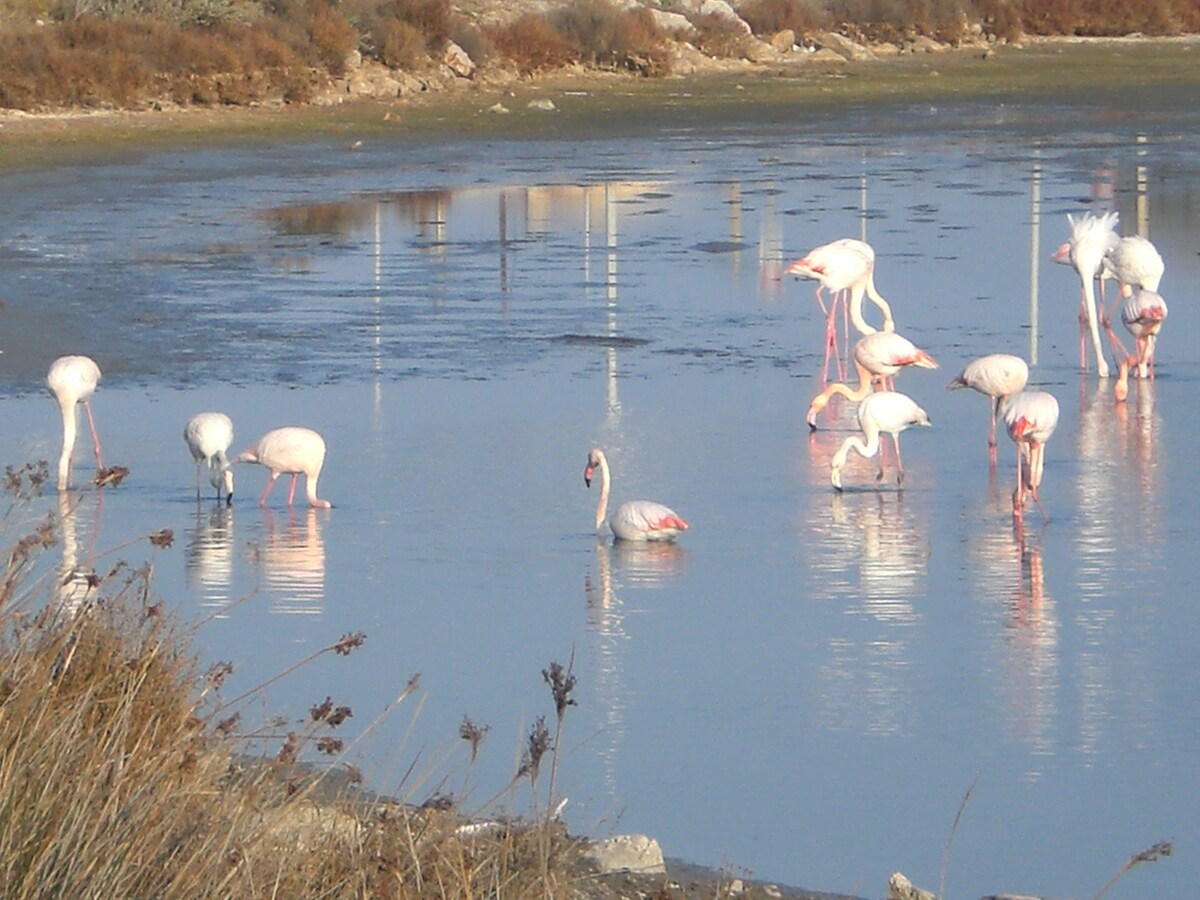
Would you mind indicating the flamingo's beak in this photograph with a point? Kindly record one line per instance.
(587, 477)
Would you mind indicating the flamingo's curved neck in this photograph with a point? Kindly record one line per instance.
(856, 301)
(867, 450)
(602, 503)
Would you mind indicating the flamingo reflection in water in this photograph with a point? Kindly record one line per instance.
(292, 562)
(209, 561)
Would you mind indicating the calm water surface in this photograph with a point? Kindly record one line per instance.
(805, 687)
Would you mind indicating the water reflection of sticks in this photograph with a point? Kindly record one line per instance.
(291, 558)
(209, 554)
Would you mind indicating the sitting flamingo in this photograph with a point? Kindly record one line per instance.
(634, 520)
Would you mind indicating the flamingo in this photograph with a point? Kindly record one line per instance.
(843, 265)
(291, 450)
(1132, 262)
(886, 412)
(634, 520)
(1091, 238)
(1030, 418)
(208, 436)
(1142, 314)
(997, 376)
(876, 356)
(73, 380)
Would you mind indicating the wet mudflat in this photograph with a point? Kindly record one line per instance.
(807, 684)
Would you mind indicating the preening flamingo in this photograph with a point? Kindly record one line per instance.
(73, 380)
(634, 520)
(886, 412)
(998, 376)
(1133, 262)
(1091, 238)
(208, 436)
(846, 264)
(1030, 417)
(876, 356)
(1142, 314)
(291, 451)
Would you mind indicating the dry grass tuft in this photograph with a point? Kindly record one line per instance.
(124, 772)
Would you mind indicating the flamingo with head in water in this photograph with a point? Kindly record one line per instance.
(1092, 237)
(1142, 314)
(73, 380)
(841, 266)
(884, 412)
(634, 520)
(208, 436)
(1030, 418)
(290, 451)
(876, 357)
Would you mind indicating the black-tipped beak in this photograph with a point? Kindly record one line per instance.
(812, 426)
(229, 499)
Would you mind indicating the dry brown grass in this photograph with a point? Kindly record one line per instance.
(124, 771)
(532, 44)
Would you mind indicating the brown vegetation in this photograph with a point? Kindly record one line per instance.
(129, 53)
(124, 772)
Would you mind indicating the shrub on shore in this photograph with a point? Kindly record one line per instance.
(128, 53)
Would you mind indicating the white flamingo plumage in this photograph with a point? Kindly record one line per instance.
(1142, 314)
(1091, 239)
(1133, 261)
(884, 412)
(73, 380)
(876, 356)
(634, 520)
(290, 451)
(997, 376)
(1030, 418)
(208, 436)
(844, 265)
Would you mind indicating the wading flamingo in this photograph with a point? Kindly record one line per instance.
(1030, 417)
(208, 436)
(886, 412)
(1133, 262)
(997, 376)
(841, 266)
(1142, 314)
(634, 520)
(290, 451)
(1091, 238)
(72, 380)
(876, 356)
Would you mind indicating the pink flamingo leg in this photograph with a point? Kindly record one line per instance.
(1019, 493)
(292, 489)
(992, 434)
(95, 437)
(262, 501)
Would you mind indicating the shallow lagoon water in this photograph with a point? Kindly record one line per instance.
(808, 683)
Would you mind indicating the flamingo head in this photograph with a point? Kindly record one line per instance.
(819, 403)
(593, 463)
